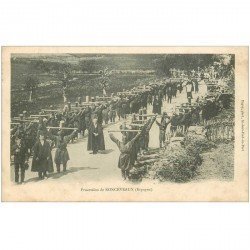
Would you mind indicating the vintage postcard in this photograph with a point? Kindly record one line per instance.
(124, 123)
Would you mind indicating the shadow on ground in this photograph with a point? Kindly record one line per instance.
(107, 151)
(59, 175)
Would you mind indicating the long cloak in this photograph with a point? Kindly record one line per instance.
(42, 158)
(100, 137)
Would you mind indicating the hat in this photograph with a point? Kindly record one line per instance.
(41, 133)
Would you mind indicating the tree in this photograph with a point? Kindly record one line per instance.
(65, 72)
(105, 74)
(88, 65)
(181, 61)
(225, 64)
(31, 84)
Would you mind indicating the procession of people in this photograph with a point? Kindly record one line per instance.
(36, 135)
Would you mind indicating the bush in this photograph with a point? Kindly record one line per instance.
(177, 164)
(198, 144)
(179, 134)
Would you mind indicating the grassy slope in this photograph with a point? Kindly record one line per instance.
(218, 163)
(81, 86)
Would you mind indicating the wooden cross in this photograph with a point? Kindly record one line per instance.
(124, 130)
(18, 118)
(93, 102)
(137, 125)
(23, 120)
(103, 97)
(79, 107)
(61, 128)
(38, 116)
(146, 115)
(137, 91)
(140, 121)
(51, 110)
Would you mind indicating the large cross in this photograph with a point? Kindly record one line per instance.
(124, 130)
(62, 128)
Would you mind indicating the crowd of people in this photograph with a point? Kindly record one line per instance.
(36, 136)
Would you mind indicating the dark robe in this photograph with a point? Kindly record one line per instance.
(157, 106)
(105, 115)
(20, 153)
(42, 158)
(96, 142)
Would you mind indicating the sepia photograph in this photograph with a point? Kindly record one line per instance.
(121, 123)
(124, 125)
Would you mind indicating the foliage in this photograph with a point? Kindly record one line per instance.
(197, 144)
(182, 61)
(31, 83)
(88, 66)
(179, 134)
(177, 164)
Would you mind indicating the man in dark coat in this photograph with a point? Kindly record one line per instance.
(157, 105)
(42, 158)
(169, 93)
(105, 115)
(196, 86)
(119, 109)
(174, 90)
(19, 150)
(174, 121)
(95, 137)
(189, 90)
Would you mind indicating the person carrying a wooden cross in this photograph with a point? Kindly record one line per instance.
(162, 127)
(126, 148)
(61, 155)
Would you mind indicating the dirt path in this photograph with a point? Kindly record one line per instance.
(86, 167)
